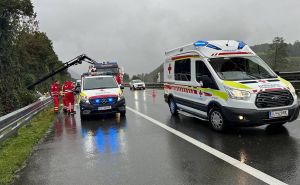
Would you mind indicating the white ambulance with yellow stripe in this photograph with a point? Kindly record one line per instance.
(225, 82)
(101, 94)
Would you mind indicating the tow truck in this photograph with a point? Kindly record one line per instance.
(108, 68)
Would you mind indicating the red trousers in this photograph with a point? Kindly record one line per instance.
(56, 103)
(65, 101)
(70, 99)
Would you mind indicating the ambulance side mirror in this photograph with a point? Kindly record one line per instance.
(206, 81)
(121, 87)
(277, 72)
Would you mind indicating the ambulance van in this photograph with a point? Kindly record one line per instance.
(226, 83)
(101, 94)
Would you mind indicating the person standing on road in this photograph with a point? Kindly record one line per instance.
(70, 97)
(65, 100)
(55, 93)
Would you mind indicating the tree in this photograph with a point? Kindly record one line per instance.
(126, 78)
(26, 54)
(134, 77)
(278, 52)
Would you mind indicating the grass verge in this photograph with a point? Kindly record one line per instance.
(15, 150)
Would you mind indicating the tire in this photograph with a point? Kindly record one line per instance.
(173, 107)
(123, 114)
(217, 120)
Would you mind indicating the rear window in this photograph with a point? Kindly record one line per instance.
(99, 83)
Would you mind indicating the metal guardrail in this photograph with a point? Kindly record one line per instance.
(10, 123)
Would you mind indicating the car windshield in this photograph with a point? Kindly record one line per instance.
(111, 70)
(136, 81)
(99, 83)
(241, 68)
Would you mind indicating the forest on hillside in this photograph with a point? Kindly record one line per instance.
(26, 54)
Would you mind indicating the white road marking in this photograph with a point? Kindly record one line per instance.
(242, 166)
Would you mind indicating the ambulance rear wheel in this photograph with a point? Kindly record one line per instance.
(217, 120)
(173, 107)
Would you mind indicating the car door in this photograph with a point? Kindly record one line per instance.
(182, 76)
(205, 84)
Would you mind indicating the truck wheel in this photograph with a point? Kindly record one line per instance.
(217, 120)
(173, 107)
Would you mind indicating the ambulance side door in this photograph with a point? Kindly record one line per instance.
(182, 77)
(205, 82)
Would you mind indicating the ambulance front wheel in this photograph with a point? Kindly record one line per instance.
(123, 113)
(217, 120)
(173, 107)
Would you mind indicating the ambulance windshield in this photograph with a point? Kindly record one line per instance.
(241, 68)
(99, 83)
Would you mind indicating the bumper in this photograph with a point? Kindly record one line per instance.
(89, 109)
(254, 117)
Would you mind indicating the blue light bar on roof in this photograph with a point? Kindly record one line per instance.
(200, 43)
(241, 45)
(213, 47)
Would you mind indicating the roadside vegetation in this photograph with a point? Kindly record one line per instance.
(16, 150)
(26, 54)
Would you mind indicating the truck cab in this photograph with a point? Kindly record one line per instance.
(226, 83)
(101, 94)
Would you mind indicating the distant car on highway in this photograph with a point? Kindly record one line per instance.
(226, 83)
(137, 84)
(101, 94)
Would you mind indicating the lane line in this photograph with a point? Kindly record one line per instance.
(242, 166)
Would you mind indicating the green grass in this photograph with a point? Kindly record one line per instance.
(15, 150)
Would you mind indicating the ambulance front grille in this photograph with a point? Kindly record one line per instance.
(274, 99)
(103, 101)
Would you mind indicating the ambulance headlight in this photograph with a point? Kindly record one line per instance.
(292, 89)
(238, 94)
(85, 99)
(120, 97)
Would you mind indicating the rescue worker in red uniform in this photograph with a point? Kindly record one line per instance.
(69, 95)
(55, 93)
(65, 100)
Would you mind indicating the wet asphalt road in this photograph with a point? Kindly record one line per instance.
(132, 150)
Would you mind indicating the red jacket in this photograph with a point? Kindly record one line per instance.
(69, 87)
(55, 89)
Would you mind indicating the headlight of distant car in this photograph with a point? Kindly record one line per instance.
(238, 94)
(85, 99)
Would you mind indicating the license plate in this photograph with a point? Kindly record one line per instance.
(277, 114)
(104, 108)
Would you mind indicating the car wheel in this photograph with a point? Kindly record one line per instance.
(173, 107)
(123, 113)
(217, 120)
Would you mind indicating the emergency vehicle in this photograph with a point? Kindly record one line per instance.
(108, 67)
(101, 94)
(226, 83)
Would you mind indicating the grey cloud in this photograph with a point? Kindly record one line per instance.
(137, 32)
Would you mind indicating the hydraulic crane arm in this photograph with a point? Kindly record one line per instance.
(78, 60)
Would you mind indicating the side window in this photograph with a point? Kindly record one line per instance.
(183, 70)
(203, 75)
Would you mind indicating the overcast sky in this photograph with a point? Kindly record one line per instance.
(136, 33)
